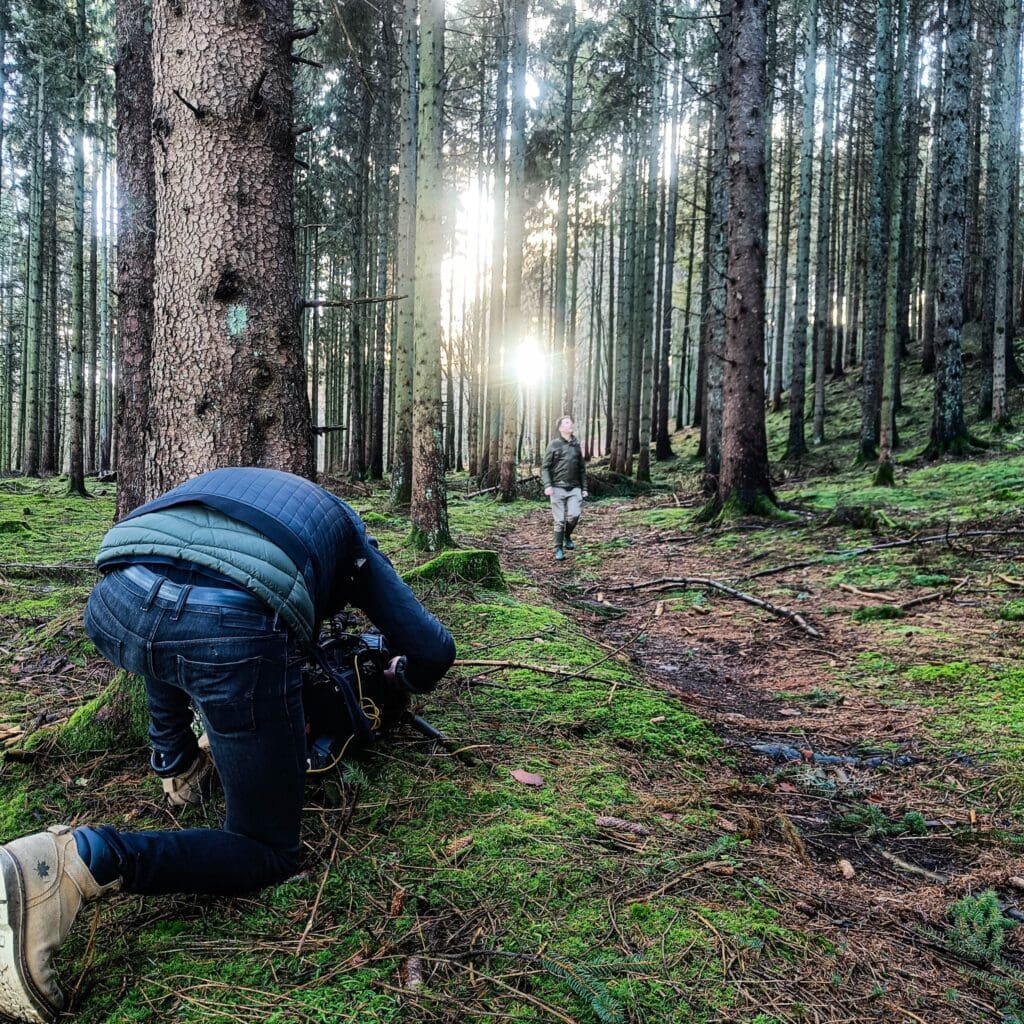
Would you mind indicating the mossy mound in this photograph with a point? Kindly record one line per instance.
(115, 719)
(384, 522)
(1012, 611)
(475, 567)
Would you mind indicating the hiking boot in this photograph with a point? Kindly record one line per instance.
(193, 786)
(559, 555)
(569, 546)
(43, 883)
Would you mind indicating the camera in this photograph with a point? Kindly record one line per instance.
(348, 702)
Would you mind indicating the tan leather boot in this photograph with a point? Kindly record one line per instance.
(43, 883)
(193, 786)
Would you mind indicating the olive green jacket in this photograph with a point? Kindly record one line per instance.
(563, 465)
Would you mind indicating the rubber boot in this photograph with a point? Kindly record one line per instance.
(43, 884)
(559, 540)
(570, 525)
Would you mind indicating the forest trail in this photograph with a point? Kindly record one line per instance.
(869, 826)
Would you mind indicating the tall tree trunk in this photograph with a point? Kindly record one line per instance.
(890, 354)
(565, 352)
(877, 242)
(931, 270)
(822, 279)
(649, 276)
(405, 275)
(717, 285)
(515, 237)
(782, 269)
(744, 482)
(34, 304)
(136, 247)
(50, 355)
(429, 512)
(496, 328)
(1004, 108)
(949, 432)
(663, 446)
(228, 382)
(76, 466)
(796, 445)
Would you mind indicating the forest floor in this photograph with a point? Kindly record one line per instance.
(670, 805)
(870, 772)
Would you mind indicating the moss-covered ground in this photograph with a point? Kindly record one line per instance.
(654, 865)
(508, 901)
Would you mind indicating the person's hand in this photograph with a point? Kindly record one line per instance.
(585, 494)
(391, 672)
(549, 491)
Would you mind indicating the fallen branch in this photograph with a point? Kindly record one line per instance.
(875, 596)
(913, 869)
(491, 490)
(673, 582)
(938, 595)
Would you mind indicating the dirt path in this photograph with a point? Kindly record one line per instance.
(838, 769)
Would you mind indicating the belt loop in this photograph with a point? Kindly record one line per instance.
(153, 591)
(179, 605)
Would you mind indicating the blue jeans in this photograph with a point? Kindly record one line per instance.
(235, 666)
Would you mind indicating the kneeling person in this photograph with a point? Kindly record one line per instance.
(210, 593)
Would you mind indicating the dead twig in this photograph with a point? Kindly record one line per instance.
(912, 869)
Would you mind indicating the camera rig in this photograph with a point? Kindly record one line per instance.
(348, 700)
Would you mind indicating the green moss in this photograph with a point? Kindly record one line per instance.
(1012, 611)
(878, 613)
(381, 521)
(925, 579)
(460, 568)
(114, 720)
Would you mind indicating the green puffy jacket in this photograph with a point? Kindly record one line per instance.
(563, 465)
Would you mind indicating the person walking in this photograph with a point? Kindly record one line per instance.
(564, 477)
(211, 593)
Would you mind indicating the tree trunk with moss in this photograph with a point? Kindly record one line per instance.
(796, 444)
(116, 719)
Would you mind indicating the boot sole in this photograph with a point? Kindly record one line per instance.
(19, 997)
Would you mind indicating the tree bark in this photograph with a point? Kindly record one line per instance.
(949, 432)
(429, 512)
(796, 444)
(744, 483)
(228, 382)
(136, 246)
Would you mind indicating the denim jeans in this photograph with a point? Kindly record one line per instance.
(235, 667)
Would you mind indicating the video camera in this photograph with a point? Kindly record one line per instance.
(347, 701)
